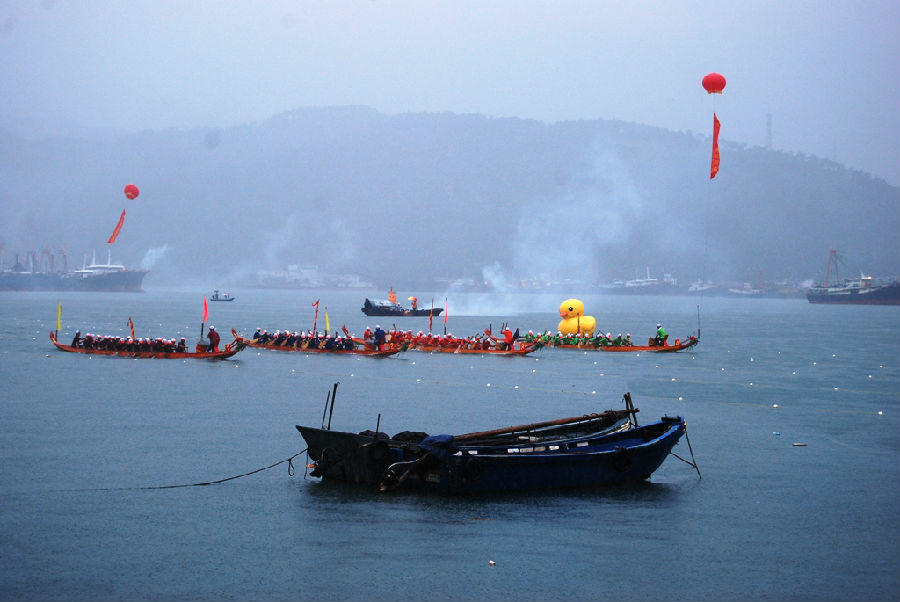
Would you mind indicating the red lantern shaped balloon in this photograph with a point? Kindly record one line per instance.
(131, 191)
(714, 83)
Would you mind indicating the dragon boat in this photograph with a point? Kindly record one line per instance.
(130, 351)
(306, 348)
(679, 345)
(460, 346)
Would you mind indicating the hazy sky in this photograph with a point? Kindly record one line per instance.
(828, 73)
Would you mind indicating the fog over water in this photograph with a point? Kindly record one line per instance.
(827, 74)
(498, 142)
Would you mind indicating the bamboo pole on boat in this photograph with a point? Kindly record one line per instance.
(333, 395)
(325, 409)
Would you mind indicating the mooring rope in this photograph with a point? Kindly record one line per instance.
(289, 461)
(691, 449)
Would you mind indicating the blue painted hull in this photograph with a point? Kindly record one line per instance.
(616, 458)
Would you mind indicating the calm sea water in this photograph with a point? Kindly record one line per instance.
(91, 446)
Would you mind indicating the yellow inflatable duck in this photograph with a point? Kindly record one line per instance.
(573, 319)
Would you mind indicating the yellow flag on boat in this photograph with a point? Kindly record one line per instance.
(58, 315)
(327, 323)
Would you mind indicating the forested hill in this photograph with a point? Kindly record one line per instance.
(405, 199)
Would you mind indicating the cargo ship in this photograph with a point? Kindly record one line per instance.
(94, 277)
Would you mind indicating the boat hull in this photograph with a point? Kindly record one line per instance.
(888, 294)
(524, 349)
(401, 312)
(127, 281)
(391, 309)
(619, 460)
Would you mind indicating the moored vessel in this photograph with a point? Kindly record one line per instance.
(582, 451)
(93, 277)
(390, 307)
(853, 291)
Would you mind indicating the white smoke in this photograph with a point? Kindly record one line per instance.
(153, 256)
(562, 240)
(495, 278)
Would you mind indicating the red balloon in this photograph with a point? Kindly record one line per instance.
(714, 83)
(131, 191)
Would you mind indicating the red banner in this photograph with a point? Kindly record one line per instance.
(205, 310)
(714, 167)
(115, 233)
(131, 326)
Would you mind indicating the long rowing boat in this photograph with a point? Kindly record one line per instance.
(307, 348)
(131, 352)
(678, 346)
(457, 346)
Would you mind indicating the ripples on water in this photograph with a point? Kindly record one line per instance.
(86, 440)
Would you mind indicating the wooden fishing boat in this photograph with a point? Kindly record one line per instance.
(305, 348)
(584, 451)
(199, 353)
(679, 345)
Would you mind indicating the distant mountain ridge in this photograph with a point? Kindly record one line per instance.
(404, 200)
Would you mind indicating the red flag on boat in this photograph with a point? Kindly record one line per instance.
(115, 233)
(131, 326)
(316, 317)
(205, 310)
(714, 168)
(430, 315)
(445, 310)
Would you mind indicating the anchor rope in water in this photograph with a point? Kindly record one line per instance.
(289, 461)
(692, 461)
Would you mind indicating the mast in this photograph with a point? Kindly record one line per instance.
(832, 258)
